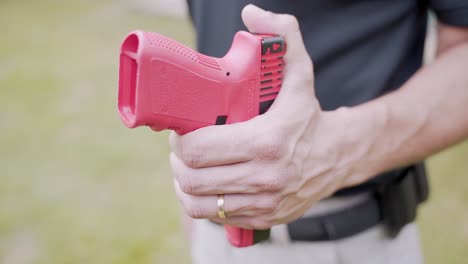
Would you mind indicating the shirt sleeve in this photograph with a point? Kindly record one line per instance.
(451, 12)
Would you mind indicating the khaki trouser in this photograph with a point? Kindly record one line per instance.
(371, 246)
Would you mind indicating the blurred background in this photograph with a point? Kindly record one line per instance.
(76, 186)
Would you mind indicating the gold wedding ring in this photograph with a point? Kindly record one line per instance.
(221, 212)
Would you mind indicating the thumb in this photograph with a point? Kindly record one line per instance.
(298, 74)
(260, 21)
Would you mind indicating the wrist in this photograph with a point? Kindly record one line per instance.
(356, 134)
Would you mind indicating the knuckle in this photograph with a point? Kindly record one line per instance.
(276, 183)
(184, 176)
(192, 209)
(269, 205)
(270, 148)
(185, 183)
(291, 21)
(271, 183)
(195, 212)
(191, 156)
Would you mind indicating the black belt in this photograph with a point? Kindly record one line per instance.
(336, 225)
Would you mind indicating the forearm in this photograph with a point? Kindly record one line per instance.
(426, 115)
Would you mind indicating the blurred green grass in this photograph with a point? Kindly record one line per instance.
(78, 187)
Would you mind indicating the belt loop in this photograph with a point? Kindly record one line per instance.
(330, 229)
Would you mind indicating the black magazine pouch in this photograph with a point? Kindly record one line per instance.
(399, 199)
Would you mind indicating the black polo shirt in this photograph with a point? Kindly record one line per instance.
(361, 49)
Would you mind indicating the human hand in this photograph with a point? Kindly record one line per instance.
(273, 167)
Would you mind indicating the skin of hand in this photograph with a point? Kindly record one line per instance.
(263, 166)
(274, 167)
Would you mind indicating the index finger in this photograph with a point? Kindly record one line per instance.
(220, 145)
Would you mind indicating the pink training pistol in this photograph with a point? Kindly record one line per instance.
(166, 85)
